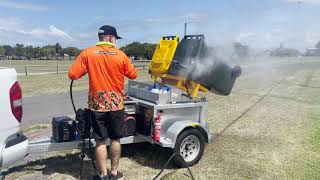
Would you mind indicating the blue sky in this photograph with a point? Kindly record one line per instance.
(257, 23)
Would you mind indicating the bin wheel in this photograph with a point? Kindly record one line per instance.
(190, 145)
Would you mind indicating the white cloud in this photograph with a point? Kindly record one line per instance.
(273, 38)
(14, 30)
(312, 38)
(84, 35)
(152, 20)
(194, 16)
(54, 31)
(245, 36)
(18, 5)
(10, 24)
(304, 1)
(181, 17)
(50, 33)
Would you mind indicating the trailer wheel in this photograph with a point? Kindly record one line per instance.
(190, 145)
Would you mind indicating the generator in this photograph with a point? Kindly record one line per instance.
(63, 129)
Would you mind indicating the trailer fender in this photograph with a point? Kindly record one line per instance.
(175, 129)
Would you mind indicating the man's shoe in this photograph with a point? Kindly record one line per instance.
(105, 177)
(119, 176)
(96, 177)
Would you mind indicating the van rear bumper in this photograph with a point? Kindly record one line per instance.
(15, 149)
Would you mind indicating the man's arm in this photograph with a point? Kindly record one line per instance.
(129, 70)
(79, 67)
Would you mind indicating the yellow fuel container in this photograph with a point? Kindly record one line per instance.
(163, 55)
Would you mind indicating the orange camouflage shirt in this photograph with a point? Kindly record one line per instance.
(106, 67)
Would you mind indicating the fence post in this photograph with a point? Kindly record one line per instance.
(26, 70)
(57, 69)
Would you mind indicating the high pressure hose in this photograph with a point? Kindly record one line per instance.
(74, 108)
(167, 163)
(82, 156)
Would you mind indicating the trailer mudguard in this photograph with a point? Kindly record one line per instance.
(169, 138)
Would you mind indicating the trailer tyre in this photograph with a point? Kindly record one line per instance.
(190, 145)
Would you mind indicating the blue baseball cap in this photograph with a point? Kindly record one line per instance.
(108, 30)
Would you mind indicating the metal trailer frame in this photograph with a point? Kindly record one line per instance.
(176, 118)
(183, 126)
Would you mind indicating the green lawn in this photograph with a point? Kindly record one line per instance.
(41, 66)
(36, 66)
(50, 83)
(53, 83)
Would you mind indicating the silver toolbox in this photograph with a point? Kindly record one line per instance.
(140, 90)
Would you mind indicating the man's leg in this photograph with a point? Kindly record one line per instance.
(115, 153)
(116, 130)
(101, 156)
(100, 133)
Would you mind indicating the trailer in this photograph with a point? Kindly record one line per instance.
(169, 112)
(183, 126)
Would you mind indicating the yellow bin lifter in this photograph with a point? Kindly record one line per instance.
(163, 56)
(160, 63)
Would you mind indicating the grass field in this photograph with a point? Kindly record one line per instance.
(53, 83)
(268, 128)
(34, 67)
(49, 83)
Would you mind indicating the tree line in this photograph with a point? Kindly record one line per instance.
(135, 50)
(48, 52)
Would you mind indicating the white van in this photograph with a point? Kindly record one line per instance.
(13, 144)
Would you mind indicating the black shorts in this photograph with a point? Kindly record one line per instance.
(107, 124)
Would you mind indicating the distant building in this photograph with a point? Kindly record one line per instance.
(312, 52)
(284, 52)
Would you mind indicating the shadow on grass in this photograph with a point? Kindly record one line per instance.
(148, 155)
(69, 164)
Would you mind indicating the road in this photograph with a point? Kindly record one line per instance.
(41, 109)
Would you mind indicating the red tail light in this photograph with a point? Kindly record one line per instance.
(16, 101)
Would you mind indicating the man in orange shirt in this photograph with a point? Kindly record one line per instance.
(106, 67)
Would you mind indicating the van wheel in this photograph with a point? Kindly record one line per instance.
(190, 145)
